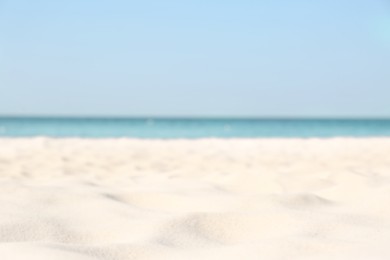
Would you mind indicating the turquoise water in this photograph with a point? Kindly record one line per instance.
(191, 128)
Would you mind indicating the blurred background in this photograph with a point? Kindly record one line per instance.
(194, 59)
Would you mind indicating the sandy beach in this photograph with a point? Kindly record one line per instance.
(226, 199)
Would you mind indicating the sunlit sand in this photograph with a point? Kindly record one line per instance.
(195, 199)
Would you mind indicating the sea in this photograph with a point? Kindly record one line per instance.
(174, 128)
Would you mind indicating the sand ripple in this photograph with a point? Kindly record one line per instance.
(202, 199)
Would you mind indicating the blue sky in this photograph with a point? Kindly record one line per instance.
(195, 58)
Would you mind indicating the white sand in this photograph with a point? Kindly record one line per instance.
(202, 199)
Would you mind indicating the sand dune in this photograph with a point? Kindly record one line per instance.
(194, 199)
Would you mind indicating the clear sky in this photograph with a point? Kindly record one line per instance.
(325, 58)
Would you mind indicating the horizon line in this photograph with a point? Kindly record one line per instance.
(198, 117)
